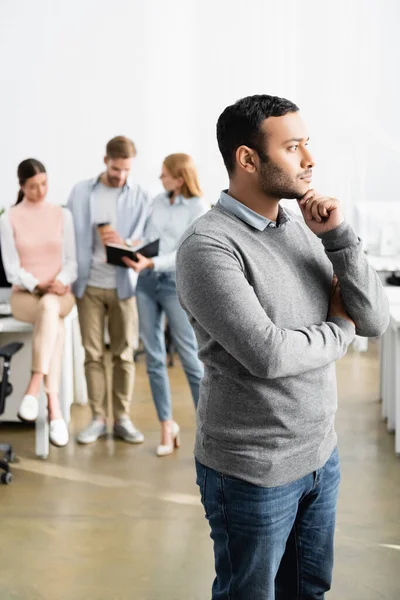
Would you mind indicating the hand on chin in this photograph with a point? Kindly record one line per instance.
(320, 213)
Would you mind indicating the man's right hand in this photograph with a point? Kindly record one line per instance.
(110, 236)
(337, 307)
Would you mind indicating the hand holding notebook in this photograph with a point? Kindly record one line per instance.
(115, 252)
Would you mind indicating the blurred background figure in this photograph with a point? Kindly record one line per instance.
(38, 250)
(108, 209)
(173, 212)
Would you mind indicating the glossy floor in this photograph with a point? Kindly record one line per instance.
(111, 521)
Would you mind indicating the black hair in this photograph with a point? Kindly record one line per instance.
(27, 169)
(240, 125)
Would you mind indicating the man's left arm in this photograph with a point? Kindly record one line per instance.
(361, 288)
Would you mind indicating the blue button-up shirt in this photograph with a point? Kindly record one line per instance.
(168, 222)
(245, 213)
(133, 209)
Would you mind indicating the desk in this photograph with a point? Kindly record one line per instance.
(72, 384)
(384, 266)
(390, 367)
(384, 263)
(393, 294)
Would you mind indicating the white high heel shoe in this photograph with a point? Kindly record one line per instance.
(166, 449)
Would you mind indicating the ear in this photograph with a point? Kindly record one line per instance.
(180, 181)
(106, 160)
(247, 159)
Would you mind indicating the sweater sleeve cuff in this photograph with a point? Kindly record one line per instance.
(339, 238)
(156, 266)
(63, 277)
(345, 326)
(28, 281)
(163, 263)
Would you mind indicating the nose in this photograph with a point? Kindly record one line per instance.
(307, 161)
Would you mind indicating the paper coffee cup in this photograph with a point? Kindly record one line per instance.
(102, 228)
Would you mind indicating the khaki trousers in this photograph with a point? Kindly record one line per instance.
(47, 313)
(93, 307)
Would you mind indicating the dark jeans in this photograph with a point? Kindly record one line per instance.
(272, 543)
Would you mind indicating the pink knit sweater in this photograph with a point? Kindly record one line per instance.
(38, 234)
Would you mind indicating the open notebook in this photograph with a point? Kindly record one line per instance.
(115, 252)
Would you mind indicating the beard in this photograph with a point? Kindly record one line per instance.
(113, 181)
(276, 183)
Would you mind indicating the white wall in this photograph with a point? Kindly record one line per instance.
(74, 73)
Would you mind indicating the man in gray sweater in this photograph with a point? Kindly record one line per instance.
(275, 299)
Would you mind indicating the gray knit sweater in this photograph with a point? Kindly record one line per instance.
(258, 302)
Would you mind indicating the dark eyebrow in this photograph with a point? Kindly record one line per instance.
(296, 140)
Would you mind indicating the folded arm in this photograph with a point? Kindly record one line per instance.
(213, 289)
(362, 291)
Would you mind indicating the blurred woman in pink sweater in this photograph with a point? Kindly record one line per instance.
(38, 251)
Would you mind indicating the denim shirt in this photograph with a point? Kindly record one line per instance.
(133, 210)
(168, 222)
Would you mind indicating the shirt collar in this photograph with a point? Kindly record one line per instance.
(249, 216)
(178, 200)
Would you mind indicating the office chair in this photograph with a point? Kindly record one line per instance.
(6, 353)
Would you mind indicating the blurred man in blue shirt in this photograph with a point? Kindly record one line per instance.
(108, 209)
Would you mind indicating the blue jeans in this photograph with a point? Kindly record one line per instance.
(272, 543)
(156, 295)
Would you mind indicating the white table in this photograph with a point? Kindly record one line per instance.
(393, 294)
(391, 389)
(72, 384)
(390, 367)
(384, 263)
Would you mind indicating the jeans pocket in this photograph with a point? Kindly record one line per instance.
(332, 466)
(170, 282)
